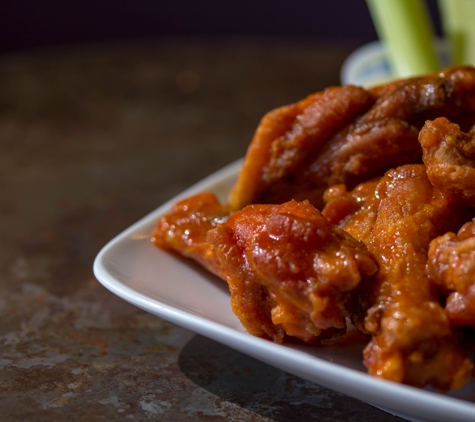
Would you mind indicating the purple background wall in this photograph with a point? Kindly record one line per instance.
(27, 24)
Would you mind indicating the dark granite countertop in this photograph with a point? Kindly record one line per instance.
(91, 139)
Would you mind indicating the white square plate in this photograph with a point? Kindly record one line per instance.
(180, 291)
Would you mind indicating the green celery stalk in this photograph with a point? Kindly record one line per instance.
(404, 26)
(458, 24)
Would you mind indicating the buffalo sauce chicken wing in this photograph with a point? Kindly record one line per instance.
(286, 137)
(289, 270)
(452, 266)
(449, 155)
(184, 230)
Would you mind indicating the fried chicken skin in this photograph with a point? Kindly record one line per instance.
(184, 230)
(370, 132)
(449, 155)
(342, 206)
(290, 272)
(451, 265)
(413, 341)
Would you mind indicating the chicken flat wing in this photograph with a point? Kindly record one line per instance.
(451, 265)
(289, 270)
(287, 136)
(413, 340)
(184, 230)
(449, 155)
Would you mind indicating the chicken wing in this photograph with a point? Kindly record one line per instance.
(449, 155)
(184, 230)
(413, 341)
(287, 136)
(289, 270)
(451, 265)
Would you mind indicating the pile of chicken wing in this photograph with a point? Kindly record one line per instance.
(353, 206)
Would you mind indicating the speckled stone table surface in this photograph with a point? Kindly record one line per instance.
(91, 139)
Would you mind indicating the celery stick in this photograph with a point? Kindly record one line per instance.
(404, 26)
(458, 24)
